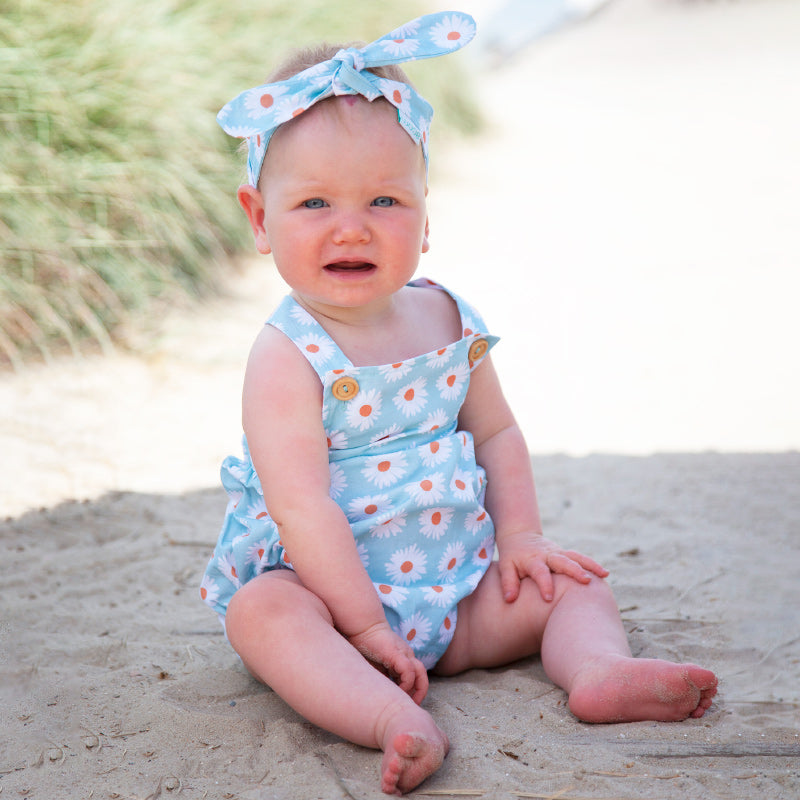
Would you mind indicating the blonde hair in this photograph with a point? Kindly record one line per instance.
(309, 56)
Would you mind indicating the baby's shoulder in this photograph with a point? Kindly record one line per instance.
(276, 360)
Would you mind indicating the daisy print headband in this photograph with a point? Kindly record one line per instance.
(256, 113)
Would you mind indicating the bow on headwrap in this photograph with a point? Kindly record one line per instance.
(256, 113)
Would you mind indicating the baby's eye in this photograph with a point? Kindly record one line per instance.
(384, 202)
(315, 202)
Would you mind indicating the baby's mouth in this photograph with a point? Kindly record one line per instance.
(350, 266)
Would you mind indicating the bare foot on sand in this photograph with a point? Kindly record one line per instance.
(411, 754)
(619, 689)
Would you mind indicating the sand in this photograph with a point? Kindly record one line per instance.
(663, 426)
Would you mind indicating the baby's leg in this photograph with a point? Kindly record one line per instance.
(583, 647)
(285, 637)
(585, 651)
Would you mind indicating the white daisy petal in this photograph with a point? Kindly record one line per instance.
(412, 398)
(385, 470)
(364, 409)
(416, 630)
(392, 596)
(407, 565)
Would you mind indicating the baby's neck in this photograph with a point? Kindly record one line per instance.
(415, 321)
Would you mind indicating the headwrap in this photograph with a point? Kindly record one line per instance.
(256, 113)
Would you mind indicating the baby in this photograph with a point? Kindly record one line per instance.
(382, 464)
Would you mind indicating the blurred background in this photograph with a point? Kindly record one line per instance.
(614, 184)
(637, 215)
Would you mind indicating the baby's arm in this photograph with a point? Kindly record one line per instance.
(511, 495)
(282, 419)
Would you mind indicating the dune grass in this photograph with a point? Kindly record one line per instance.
(116, 185)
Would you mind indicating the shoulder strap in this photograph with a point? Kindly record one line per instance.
(310, 338)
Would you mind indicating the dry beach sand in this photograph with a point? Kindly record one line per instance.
(628, 226)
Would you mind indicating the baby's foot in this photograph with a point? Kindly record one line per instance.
(619, 689)
(413, 750)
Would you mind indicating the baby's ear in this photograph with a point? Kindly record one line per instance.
(426, 245)
(253, 204)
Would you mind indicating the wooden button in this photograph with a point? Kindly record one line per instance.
(345, 388)
(477, 350)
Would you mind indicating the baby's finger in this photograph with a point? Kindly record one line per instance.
(412, 678)
(540, 574)
(420, 688)
(588, 563)
(509, 581)
(565, 564)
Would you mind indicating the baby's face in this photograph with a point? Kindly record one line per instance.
(343, 190)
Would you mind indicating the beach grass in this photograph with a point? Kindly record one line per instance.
(116, 184)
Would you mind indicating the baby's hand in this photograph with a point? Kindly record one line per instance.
(531, 555)
(387, 651)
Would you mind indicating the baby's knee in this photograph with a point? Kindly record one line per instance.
(594, 589)
(270, 601)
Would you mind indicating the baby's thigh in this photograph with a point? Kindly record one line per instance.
(491, 632)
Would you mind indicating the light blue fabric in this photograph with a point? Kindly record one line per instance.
(256, 113)
(402, 472)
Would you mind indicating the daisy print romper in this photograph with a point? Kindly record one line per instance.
(401, 471)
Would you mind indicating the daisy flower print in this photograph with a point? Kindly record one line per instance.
(364, 409)
(398, 92)
(256, 552)
(338, 481)
(442, 596)
(386, 434)
(317, 349)
(412, 398)
(449, 563)
(227, 566)
(434, 421)
(261, 102)
(257, 509)
(429, 490)
(476, 520)
(451, 383)
(438, 358)
(392, 596)
(370, 506)
(436, 452)
(385, 470)
(337, 440)
(468, 446)
(448, 628)
(407, 565)
(400, 46)
(363, 554)
(209, 590)
(290, 107)
(434, 522)
(395, 372)
(461, 486)
(407, 31)
(484, 553)
(449, 32)
(299, 315)
(416, 630)
(389, 527)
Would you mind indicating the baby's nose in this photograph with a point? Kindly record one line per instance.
(351, 227)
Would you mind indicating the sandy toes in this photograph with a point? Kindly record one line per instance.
(409, 758)
(619, 689)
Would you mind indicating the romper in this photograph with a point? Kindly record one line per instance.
(405, 477)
